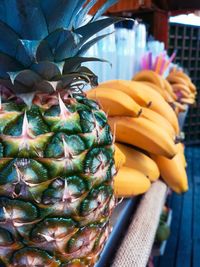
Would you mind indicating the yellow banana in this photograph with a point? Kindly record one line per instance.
(183, 75)
(188, 101)
(145, 96)
(139, 161)
(162, 92)
(172, 78)
(149, 76)
(173, 172)
(130, 182)
(133, 89)
(119, 157)
(144, 134)
(183, 94)
(181, 87)
(192, 87)
(115, 102)
(180, 148)
(169, 89)
(191, 95)
(158, 119)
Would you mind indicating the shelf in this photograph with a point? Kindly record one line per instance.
(135, 249)
(134, 228)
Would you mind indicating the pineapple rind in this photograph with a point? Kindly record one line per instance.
(55, 203)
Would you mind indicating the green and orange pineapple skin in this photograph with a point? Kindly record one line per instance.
(56, 148)
(56, 170)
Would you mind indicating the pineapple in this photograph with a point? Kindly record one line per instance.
(56, 148)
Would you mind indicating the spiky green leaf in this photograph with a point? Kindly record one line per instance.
(26, 77)
(44, 52)
(25, 17)
(59, 13)
(48, 70)
(30, 47)
(90, 43)
(92, 28)
(71, 64)
(83, 12)
(103, 8)
(9, 39)
(8, 64)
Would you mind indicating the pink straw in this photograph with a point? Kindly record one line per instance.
(162, 66)
(155, 64)
(150, 61)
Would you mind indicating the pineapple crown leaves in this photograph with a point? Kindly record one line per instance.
(43, 42)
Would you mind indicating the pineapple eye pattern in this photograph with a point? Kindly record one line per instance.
(31, 257)
(54, 233)
(65, 194)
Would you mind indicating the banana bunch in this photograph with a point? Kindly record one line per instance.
(178, 89)
(145, 128)
(183, 87)
(173, 170)
(157, 83)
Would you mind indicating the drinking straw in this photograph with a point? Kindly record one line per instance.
(158, 66)
(155, 64)
(150, 61)
(144, 63)
(162, 66)
(170, 60)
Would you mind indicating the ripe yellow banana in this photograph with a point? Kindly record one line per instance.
(149, 76)
(188, 101)
(144, 134)
(130, 182)
(139, 161)
(158, 119)
(115, 102)
(181, 87)
(183, 75)
(192, 87)
(173, 172)
(145, 96)
(187, 79)
(162, 92)
(172, 78)
(180, 148)
(192, 95)
(119, 157)
(182, 94)
(169, 89)
(133, 89)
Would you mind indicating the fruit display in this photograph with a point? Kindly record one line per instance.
(56, 147)
(149, 140)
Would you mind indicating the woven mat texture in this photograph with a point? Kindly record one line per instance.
(137, 244)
